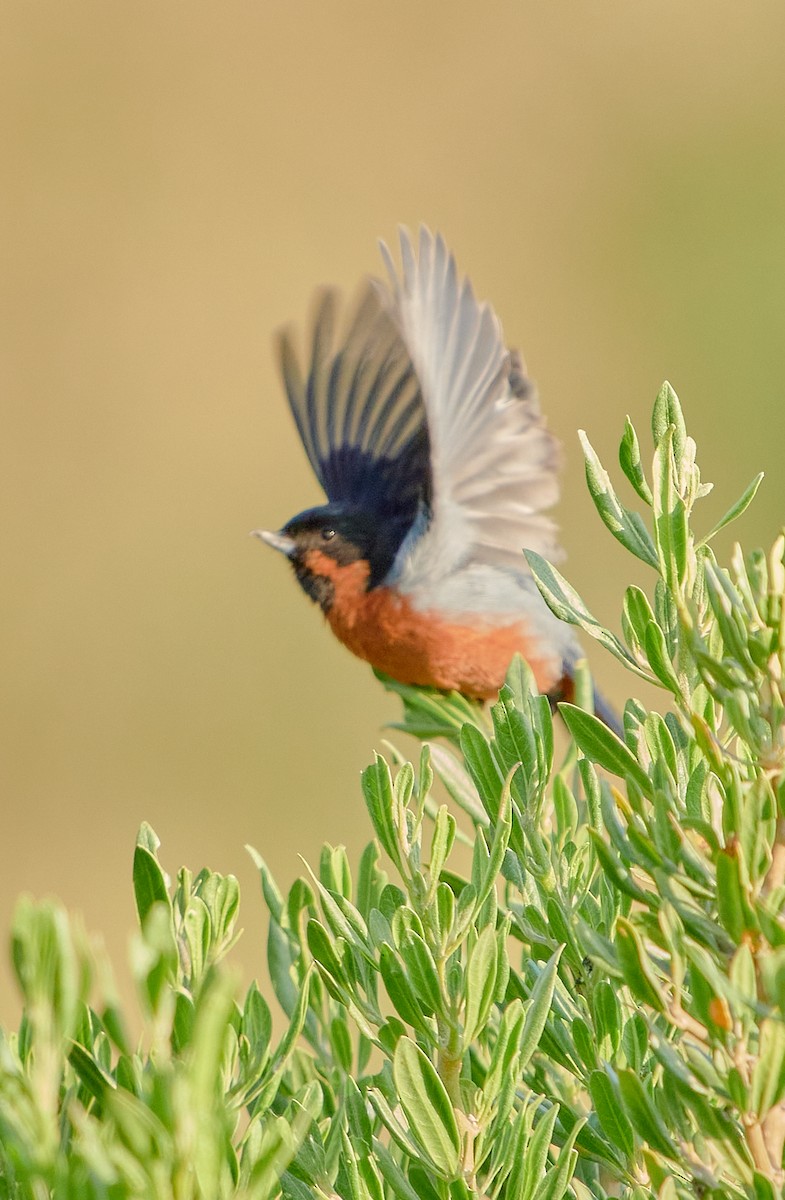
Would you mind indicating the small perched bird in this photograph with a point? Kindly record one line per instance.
(425, 433)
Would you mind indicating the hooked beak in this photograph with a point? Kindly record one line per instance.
(278, 541)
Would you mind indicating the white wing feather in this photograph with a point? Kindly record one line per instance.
(494, 463)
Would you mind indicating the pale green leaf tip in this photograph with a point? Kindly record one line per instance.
(147, 838)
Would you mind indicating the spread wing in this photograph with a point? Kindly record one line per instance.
(359, 410)
(493, 462)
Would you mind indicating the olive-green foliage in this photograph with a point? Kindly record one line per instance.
(595, 1007)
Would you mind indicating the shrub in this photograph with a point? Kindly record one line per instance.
(593, 1006)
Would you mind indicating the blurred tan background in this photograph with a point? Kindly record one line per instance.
(176, 179)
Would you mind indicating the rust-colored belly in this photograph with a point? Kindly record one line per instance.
(383, 627)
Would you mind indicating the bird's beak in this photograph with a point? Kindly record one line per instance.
(278, 541)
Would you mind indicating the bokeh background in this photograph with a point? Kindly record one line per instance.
(176, 178)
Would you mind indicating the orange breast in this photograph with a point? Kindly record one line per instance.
(382, 627)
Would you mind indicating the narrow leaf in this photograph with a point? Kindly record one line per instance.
(630, 462)
(670, 514)
(735, 510)
(565, 603)
(643, 1115)
(659, 659)
(602, 746)
(633, 960)
(539, 1007)
(149, 882)
(625, 525)
(480, 983)
(667, 412)
(768, 1077)
(613, 1120)
(378, 791)
(427, 1106)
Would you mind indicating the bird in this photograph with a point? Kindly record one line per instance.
(426, 436)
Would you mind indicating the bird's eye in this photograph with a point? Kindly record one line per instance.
(328, 534)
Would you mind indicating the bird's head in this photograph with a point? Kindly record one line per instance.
(324, 543)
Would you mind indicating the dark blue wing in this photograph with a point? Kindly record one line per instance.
(359, 410)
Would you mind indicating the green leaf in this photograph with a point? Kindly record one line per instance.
(635, 1042)
(630, 461)
(183, 1022)
(505, 1050)
(389, 1035)
(554, 1185)
(357, 1116)
(424, 1184)
(606, 1014)
(47, 969)
(272, 895)
(670, 515)
(625, 525)
(610, 1114)
(277, 1144)
(735, 510)
(429, 713)
(297, 1021)
(768, 1076)
(293, 1188)
(445, 911)
(321, 946)
(667, 412)
(341, 1042)
(155, 958)
(422, 972)
(399, 1185)
(334, 872)
(565, 809)
(94, 1078)
(150, 883)
(281, 958)
(483, 768)
(148, 838)
(370, 880)
(458, 783)
(615, 870)
(221, 896)
(513, 734)
(196, 931)
(644, 1117)
(424, 1100)
(520, 681)
(636, 615)
(534, 1159)
(764, 1189)
(602, 746)
(501, 838)
(585, 1046)
(659, 659)
(400, 990)
(343, 919)
(634, 962)
(480, 983)
(444, 829)
(206, 1049)
(593, 793)
(565, 603)
(378, 791)
(539, 1007)
(733, 906)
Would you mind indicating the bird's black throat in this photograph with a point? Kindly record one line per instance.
(345, 536)
(318, 587)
